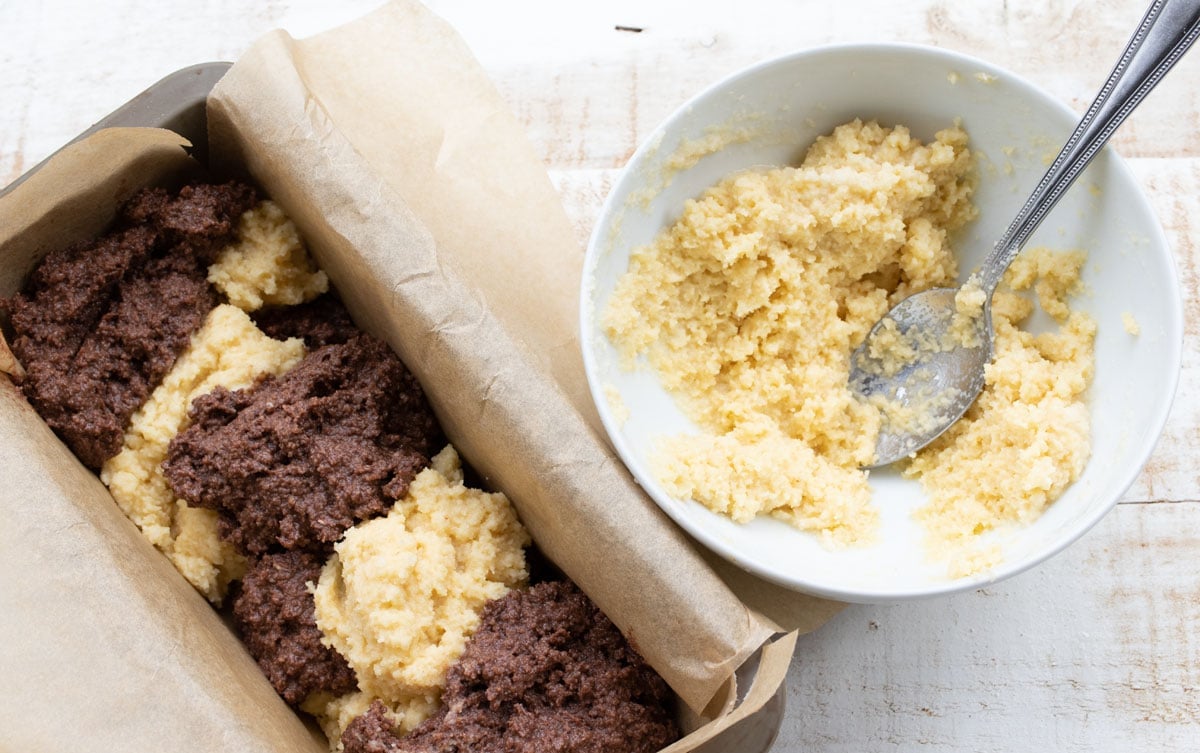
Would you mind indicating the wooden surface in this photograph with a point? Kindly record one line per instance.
(1097, 650)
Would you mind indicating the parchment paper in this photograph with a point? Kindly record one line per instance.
(454, 226)
(422, 199)
(103, 646)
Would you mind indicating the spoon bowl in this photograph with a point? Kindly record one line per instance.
(920, 395)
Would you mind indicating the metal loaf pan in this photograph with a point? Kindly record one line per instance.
(177, 103)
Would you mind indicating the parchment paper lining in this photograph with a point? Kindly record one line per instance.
(421, 198)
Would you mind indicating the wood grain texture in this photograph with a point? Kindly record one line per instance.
(1097, 650)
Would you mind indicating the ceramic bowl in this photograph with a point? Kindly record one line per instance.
(774, 111)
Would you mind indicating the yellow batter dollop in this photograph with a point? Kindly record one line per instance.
(402, 593)
(268, 265)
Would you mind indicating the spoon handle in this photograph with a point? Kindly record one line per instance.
(1165, 34)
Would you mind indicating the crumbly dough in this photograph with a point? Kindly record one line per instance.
(968, 308)
(269, 265)
(402, 593)
(1028, 435)
(749, 306)
(322, 321)
(100, 323)
(272, 610)
(295, 461)
(334, 713)
(228, 351)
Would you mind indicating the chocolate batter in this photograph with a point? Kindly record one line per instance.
(100, 323)
(295, 461)
(273, 614)
(322, 321)
(546, 672)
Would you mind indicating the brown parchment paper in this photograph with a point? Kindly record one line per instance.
(422, 199)
(103, 646)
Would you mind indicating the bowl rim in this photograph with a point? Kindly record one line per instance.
(1173, 329)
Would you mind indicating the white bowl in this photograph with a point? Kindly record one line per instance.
(1015, 128)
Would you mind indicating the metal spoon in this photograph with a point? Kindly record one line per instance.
(935, 377)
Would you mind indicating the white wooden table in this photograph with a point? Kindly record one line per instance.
(1097, 650)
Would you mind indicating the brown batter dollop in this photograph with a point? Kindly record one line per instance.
(100, 323)
(295, 461)
(273, 613)
(546, 672)
(322, 321)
